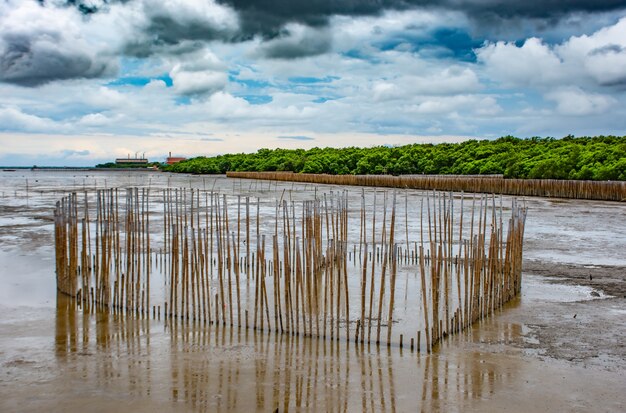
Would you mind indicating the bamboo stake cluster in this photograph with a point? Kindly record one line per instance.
(496, 184)
(293, 267)
(114, 263)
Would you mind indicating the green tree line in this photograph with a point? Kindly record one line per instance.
(589, 158)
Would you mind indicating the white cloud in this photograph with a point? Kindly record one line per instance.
(532, 64)
(596, 60)
(449, 81)
(601, 55)
(199, 73)
(98, 120)
(14, 119)
(190, 83)
(475, 104)
(102, 97)
(573, 101)
(223, 106)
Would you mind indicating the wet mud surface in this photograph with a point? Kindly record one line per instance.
(558, 347)
(607, 278)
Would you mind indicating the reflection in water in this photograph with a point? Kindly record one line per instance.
(103, 346)
(214, 368)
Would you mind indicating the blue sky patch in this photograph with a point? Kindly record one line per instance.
(312, 80)
(130, 65)
(440, 43)
(182, 100)
(323, 99)
(251, 83)
(459, 42)
(140, 81)
(360, 55)
(257, 99)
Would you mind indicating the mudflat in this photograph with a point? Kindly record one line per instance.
(558, 347)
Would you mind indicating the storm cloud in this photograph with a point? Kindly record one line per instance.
(297, 41)
(267, 17)
(37, 59)
(170, 22)
(35, 54)
(37, 47)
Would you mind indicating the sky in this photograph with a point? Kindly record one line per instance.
(86, 81)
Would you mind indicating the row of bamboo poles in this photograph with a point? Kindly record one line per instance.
(294, 267)
(492, 184)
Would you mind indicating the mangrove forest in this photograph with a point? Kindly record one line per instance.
(580, 158)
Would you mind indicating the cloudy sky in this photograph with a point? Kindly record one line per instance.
(85, 81)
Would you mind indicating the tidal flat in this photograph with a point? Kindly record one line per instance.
(558, 346)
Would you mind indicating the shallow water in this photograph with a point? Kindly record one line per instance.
(538, 289)
(57, 357)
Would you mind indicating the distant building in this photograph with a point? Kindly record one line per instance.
(132, 161)
(171, 160)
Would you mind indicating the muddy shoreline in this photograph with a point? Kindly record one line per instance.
(558, 347)
(611, 279)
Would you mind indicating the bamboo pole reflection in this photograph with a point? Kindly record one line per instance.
(217, 369)
(112, 348)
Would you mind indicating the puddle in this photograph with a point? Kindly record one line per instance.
(547, 290)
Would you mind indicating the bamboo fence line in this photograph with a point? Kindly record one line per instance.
(594, 190)
(301, 269)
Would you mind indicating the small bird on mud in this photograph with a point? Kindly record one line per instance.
(575, 315)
